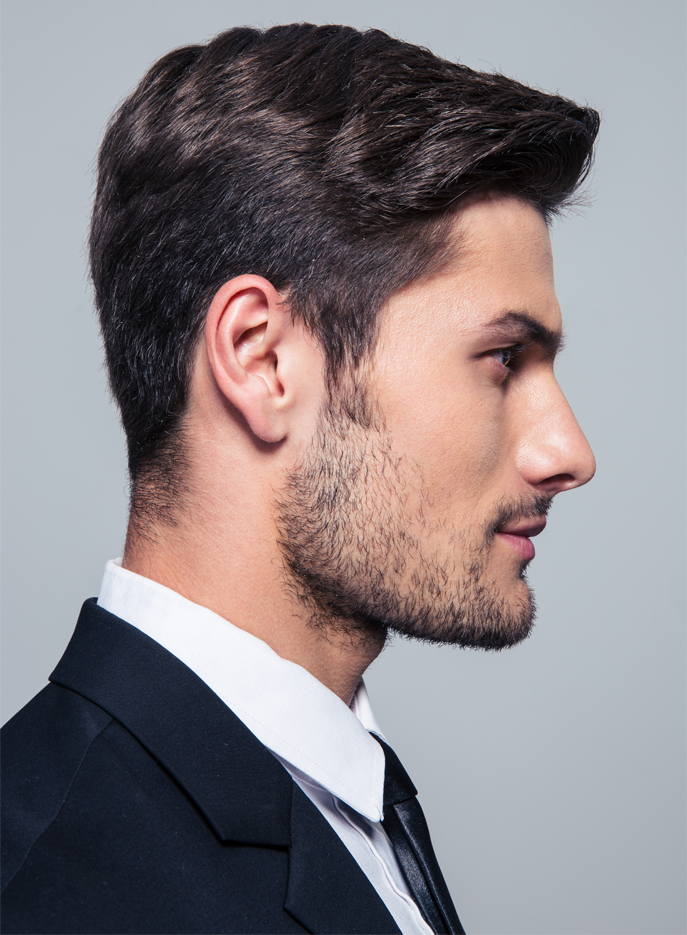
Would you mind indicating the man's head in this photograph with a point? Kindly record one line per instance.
(369, 186)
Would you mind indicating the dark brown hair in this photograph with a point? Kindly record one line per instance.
(310, 155)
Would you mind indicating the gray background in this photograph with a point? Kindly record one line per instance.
(552, 775)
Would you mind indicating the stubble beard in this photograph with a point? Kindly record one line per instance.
(363, 556)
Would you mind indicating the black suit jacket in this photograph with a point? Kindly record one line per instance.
(136, 801)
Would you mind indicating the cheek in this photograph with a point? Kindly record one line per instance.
(446, 418)
(456, 440)
(468, 462)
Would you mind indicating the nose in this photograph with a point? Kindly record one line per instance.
(555, 455)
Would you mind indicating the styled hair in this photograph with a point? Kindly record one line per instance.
(322, 158)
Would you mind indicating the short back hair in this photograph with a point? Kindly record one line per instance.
(314, 156)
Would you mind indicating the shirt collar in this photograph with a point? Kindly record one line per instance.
(292, 713)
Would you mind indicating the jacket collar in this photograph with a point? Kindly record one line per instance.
(241, 789)
(305, 725)
(246, 796)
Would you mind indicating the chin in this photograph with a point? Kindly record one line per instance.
(489, 621)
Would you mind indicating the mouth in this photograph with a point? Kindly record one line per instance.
(519, 536)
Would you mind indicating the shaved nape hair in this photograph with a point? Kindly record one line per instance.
(325, 159)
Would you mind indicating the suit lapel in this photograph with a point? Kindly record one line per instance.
(327, 892)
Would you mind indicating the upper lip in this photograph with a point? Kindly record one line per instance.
(524, 529)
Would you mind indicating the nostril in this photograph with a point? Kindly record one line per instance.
(558, 482)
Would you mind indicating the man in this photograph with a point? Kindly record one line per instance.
(324, 279)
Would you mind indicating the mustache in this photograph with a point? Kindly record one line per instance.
(523, 508)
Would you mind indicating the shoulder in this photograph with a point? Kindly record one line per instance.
(134, 800)
(43, 746)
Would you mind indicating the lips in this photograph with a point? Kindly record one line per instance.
(528, 530)
(519, 535)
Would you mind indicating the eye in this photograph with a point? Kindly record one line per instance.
(506, 355)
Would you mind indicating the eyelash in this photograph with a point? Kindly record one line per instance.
(510, 353)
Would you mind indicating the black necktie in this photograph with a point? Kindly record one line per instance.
(405, 824)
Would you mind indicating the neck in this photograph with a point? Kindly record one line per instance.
(232, 566)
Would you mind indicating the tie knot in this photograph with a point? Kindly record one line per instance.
(398, 786)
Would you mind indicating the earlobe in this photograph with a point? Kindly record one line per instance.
(244, 333)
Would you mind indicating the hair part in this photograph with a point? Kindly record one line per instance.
(326, 160)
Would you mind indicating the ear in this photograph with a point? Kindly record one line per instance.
(252, 347)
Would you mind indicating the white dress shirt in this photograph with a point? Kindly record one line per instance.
(325, 745)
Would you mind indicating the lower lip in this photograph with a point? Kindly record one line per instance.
(521, 544)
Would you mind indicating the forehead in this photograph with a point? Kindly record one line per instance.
(502, 234)
(502, 263)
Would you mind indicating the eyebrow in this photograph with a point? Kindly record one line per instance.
(521, 327)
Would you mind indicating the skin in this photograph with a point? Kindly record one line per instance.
(469, 430)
